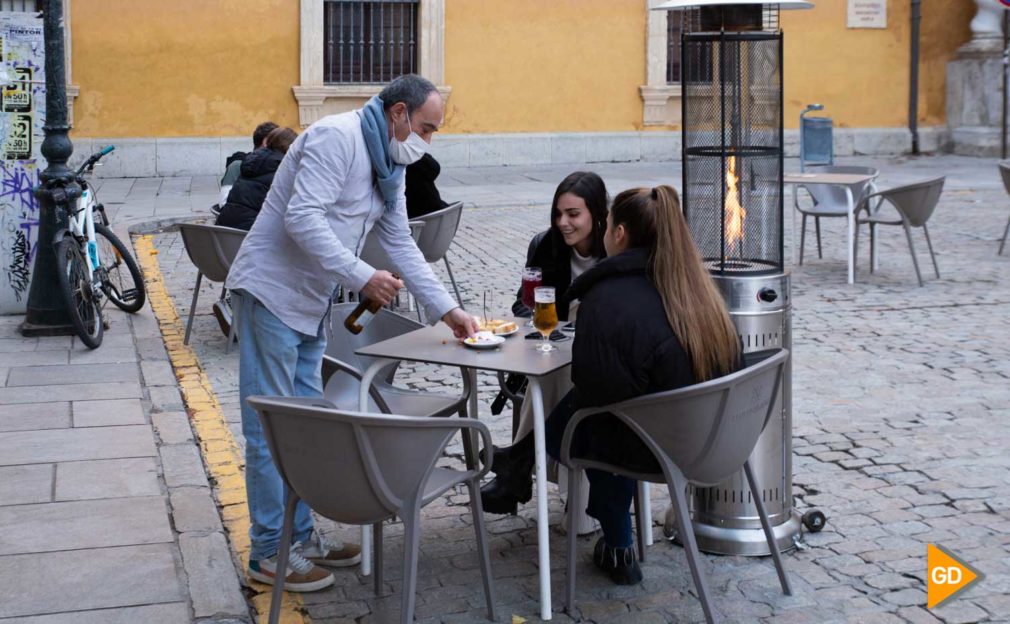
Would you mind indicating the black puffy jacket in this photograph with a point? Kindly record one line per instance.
(624, 347)
(247, 195)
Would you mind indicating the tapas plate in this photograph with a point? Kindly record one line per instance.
(484, 340)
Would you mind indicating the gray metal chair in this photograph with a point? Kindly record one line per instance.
(1004, 171)
(364, 469)
(342, 370)
(439, 230)
(701, 434)
(212, 249)
(376, 257)
(373, 253)
(913, 206)
(830, 201)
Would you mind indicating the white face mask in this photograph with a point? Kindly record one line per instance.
(409, 151)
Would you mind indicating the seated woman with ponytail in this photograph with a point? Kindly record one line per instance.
(651, 319)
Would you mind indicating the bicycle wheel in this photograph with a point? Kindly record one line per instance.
(122, 282)
(84, 308)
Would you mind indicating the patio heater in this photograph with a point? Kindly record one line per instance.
(731, 64)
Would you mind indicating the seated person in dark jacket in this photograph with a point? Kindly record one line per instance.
(572, 245)
(422, 195)
(233, 163)
(651, 319)
(257, 173)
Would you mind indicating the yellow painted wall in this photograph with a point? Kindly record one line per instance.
(544, 65)
(150, 68)
(944, 28)
(862, 75)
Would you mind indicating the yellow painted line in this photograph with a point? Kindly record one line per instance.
(221, 454)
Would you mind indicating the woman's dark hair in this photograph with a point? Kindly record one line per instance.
(280, 139)
(591, 189)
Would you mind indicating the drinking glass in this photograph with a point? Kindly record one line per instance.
(545, 316)
(532, 278)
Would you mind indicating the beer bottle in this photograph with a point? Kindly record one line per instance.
(363, 314)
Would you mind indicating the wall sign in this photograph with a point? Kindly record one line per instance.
(867, 14)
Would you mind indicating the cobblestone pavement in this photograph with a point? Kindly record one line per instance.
(901, 411)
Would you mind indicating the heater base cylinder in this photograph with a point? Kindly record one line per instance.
(724, 516)
(745, 542)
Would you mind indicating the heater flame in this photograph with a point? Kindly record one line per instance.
(733, 213)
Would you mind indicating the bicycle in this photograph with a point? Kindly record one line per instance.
(90, 259)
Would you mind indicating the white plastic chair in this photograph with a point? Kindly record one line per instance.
(830, 200)
(364, 469)
(701, 434)
(212, 249)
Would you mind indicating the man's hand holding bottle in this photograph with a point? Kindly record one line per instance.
(382, 288)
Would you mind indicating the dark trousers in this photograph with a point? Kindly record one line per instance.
(610, 496)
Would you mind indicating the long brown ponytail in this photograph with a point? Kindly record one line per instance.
(694, 308)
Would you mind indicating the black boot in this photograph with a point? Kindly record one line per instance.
(500, 458)
(620, 564)
(513, 482)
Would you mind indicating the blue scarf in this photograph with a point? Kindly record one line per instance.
(388, 174)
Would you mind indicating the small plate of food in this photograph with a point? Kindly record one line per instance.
(498, 327)
(483, 340)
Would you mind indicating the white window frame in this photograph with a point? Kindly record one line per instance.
(660, 100)
(316, 99)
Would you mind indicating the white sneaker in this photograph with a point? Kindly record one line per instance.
(302, 574)
(321, 551)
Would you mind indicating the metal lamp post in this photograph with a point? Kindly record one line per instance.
(47, 314)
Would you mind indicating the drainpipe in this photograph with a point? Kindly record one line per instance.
(913, 95)
(1006, 62)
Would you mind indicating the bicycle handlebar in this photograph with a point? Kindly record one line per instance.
(92, 160)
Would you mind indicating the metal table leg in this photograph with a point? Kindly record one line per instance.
(852, 231)
(366, 533)
(543, 546)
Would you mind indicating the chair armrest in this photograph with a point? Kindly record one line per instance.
(577, 418)
(331, 366)
(796, 197)
(864, 203)
(319, 402)
(485, 436)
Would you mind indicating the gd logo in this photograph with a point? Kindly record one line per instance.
(947, 574)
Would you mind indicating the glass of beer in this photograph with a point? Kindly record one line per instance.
(532, 278)
(545, 316)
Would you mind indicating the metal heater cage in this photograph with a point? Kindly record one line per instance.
(732, 149)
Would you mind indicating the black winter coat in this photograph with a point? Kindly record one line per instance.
(549, 252)
(250, 190)
(421, 194)
(624, 347)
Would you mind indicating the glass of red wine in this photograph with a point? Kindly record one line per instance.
(532, 279)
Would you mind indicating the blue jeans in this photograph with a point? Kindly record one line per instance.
(610, 496)
(274, 360)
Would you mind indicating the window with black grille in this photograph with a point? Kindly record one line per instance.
(676, 23)
(369, 42)
(19, 6)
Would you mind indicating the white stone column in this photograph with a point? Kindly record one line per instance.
(975, 85)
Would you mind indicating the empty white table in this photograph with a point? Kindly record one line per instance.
(845, 180)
